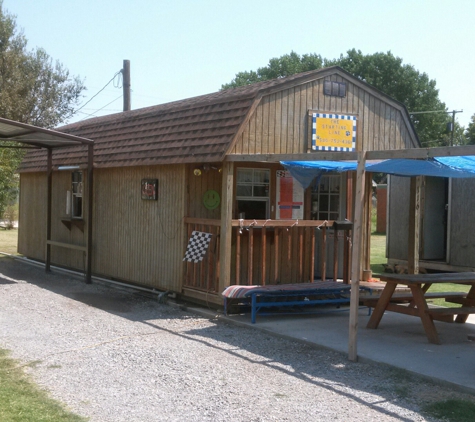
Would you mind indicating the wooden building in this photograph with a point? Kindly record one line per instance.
(446, 228)
(212, 164)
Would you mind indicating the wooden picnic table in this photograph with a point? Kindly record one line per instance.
(415, 302)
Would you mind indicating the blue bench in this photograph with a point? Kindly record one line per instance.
(269, 300)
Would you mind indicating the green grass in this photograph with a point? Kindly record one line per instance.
(452, 410)
(9, 241)
(23, 401)
(447, 287)
(378, 253)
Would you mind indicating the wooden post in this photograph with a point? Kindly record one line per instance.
(366, 258)
(349, 216)
(250, 258)
(324, 254)
(264, 255)
(335, 255)
(126, 85)
(356, 256)
(48, 208)
(90, 198)
(226, 226)
(414, 225)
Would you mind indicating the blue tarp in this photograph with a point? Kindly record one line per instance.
(459, 167)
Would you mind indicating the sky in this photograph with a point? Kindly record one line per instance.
(183, 48)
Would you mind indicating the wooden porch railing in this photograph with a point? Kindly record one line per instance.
(204, 275)
(263, 252)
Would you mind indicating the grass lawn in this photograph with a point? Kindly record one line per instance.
(23, 401)
(9, 241)
(378, 253)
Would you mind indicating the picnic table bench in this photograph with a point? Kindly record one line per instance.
(268, 300)
(415, 303)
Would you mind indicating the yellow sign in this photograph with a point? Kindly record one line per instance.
(334, 132)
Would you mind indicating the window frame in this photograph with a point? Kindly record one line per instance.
(254, 183)
(77, 190)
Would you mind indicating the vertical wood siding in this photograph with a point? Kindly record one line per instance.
(398, 234)
(138, 240)
(462, 229)
(197, 186)
(32, 216)
(135, 240)
(279, 124)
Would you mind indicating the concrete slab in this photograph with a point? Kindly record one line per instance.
(399, 341)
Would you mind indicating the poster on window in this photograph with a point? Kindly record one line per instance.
(290, 196)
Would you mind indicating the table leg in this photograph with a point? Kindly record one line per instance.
(381, 305)
(462, 318)
(427, 321)
(425, 287)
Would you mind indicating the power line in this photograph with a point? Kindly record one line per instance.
(105, 86)
(97, 111)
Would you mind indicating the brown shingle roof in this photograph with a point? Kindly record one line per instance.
(198, 129)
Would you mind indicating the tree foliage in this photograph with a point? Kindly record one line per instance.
(33, 89)
(470, 132)
(287, 65)
(384, 71)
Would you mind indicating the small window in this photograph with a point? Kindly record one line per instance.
(334, 89)
(76, 190)
(326, 198)
(252, 193)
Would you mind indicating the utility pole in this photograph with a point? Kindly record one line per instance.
(452, 127)
(126, 84)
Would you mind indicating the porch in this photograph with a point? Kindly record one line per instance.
(268, 252)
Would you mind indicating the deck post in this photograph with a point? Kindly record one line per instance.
(90, 196)
(414, 225)
(226, 226)
(48, 209)
(356, 256)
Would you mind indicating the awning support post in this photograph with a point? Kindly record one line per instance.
(356, 256)
(90, 196)
(48, 209)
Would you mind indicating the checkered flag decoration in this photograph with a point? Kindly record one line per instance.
(197, 246)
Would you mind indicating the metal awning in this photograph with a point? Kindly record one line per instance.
(37, 137)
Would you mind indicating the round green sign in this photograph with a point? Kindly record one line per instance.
(211, 199)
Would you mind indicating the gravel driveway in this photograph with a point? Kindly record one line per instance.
(114, 355)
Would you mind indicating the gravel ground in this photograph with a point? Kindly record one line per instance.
(113, 355)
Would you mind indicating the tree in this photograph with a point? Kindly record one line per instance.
(287, 65)
(470, 132)
(33, 90)
(384, 71)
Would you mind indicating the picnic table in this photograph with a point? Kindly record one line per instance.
(415, 302)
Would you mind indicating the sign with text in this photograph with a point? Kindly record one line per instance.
(333, 132)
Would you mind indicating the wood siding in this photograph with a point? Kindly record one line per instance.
(32, 216)
(398, 231)
(279, 124)
(210, 179)
(462, 229)
(139, 241)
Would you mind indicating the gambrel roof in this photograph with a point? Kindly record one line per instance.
(194, 130)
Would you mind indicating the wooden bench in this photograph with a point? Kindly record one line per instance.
(447, 314)
(452, 297)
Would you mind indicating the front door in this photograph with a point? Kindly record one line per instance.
(434, 219)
